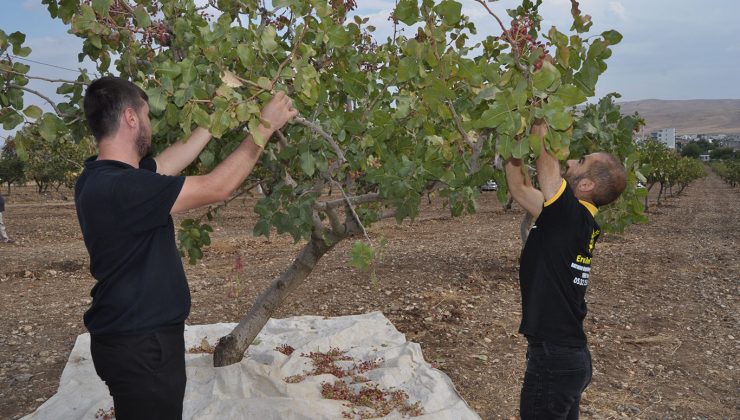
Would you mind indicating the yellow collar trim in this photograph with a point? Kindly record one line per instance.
(591, 208)
(556, 196)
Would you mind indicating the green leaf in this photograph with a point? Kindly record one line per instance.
(612, 37)
(264, 83)
(570, 95)
(200, 117)
(157, 99)
(520, 149)
(101, 6)
(243, 112)
(339, 37)
(308, 163)
(450, 11)
(535, 144)
(267, 40)
(559, 120)
(143, 19)
(169, 69)
(22, 51)
(33, 112)
(261, 228)
(10, 118)
(17, 38)
(587, 76)
(220, 122)
(407, 12)
(546, 76)
(245, 53)
(207, 158)
(493, 117)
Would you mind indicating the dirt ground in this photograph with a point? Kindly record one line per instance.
(663, 299)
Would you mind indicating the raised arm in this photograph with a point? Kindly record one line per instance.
(178, 156)
(521, 188)
(218, 185)
(548, 167)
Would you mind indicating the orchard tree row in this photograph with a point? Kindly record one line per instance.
(666, 168)
(728, 170)
(383, 123)
(48, 163)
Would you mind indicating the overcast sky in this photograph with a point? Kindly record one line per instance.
(672, 49)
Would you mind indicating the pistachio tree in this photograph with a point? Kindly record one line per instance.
(382, 122)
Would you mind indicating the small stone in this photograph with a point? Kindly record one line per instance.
(23, 377)
(487, 340)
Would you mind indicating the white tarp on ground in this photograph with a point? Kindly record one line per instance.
(255, 388)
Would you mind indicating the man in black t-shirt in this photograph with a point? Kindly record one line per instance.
(124, 200)
(554, 272)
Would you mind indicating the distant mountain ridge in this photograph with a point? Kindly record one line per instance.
(696, 116)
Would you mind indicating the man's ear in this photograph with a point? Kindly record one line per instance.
(130, 118)
(586, 185)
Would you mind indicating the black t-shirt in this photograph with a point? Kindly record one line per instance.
(124, 214)
(2, 204)
(555, 269)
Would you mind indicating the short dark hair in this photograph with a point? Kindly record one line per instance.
(610, 177)
(105, 100)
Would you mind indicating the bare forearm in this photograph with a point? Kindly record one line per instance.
(521, 188)
(548, 167)
(178, 156)
(218, 185)
(231, 173)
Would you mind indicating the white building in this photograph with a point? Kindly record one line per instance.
(666, 136)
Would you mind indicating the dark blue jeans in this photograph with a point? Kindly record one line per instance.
(555, 378)
(145, 373)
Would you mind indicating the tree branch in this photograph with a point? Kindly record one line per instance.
(43, 78)
(501, 24)
(42, 96)
(336, 225)
(320, 131)
(358, 199)
(458, 124)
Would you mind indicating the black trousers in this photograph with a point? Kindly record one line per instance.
(555, 378)
(145, 373)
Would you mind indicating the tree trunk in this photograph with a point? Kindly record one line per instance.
(524, 228)
(508, 204)
(230, 348)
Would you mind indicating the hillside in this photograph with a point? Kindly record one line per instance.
(711, 116)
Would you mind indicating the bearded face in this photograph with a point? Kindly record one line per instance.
(144, 136)
(143, 141)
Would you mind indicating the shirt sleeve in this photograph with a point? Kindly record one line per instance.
(145, 198)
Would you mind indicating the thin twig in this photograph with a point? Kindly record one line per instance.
(241, 192)
(501, 24)
(42, 78)
(352, 209)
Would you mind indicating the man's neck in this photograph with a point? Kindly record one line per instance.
(118, 150)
